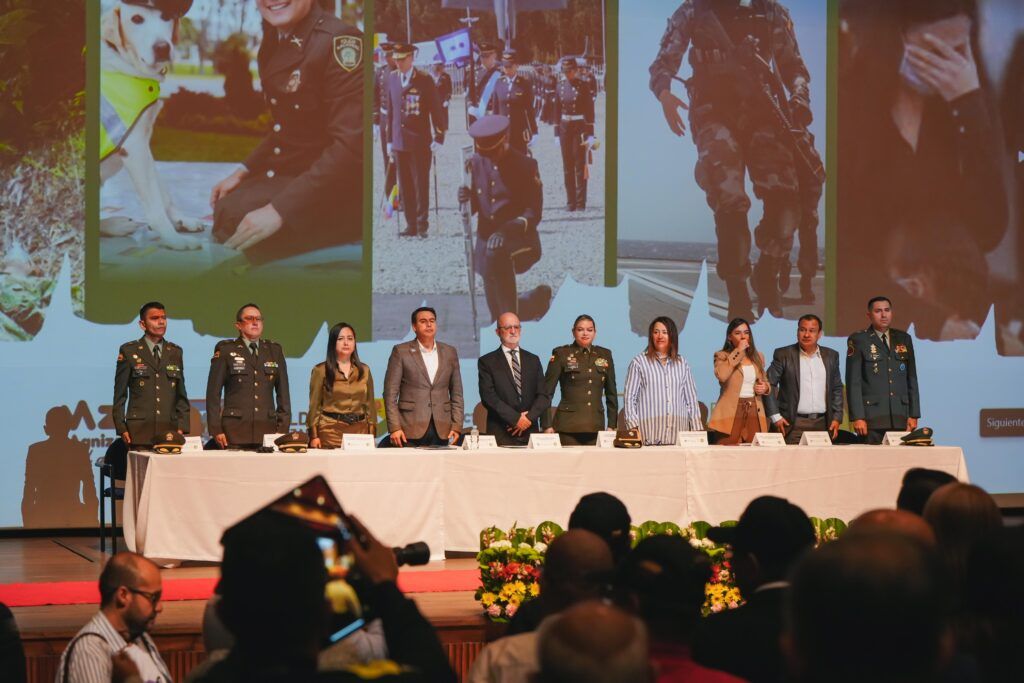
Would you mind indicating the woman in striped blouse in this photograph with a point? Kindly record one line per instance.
(661, 397)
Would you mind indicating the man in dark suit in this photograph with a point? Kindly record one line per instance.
(250, 371)
(881, 376)
(771, 536)
(150, 379)
(423, 400)
(284, 199)
(415, 130)
(512, 386)
(807, 390)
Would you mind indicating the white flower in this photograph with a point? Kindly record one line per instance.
(501, 544)
(695, 542)
(525, 546)
(707, 543)
(541, 547)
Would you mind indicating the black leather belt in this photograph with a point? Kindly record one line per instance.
(810, 416)
(349, 418)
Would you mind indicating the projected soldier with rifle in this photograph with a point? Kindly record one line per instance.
(749, 108)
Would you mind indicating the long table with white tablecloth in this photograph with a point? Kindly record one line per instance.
(177, 506)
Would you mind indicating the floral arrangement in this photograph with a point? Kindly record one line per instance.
(510, 562)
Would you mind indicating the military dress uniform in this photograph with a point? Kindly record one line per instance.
(881, 381)
(574, 124)
(443, 83)
(380, 114)
(154, 391)
(311, 163)
(735, 132)
(249, 383)
(515, 100)
(582, 374)
(415, 120)
(486, 79)
(507, 195)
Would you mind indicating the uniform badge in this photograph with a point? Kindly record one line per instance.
(874, 349)
(850, 348)
(900, 348)
(135, 356)
(233, 353)
(296, 41)
(601, 363)
(903, 367)
(348, 51)
(294, 81)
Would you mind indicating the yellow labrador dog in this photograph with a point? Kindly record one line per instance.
(136, 51)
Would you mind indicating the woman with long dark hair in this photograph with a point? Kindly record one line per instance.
(739, 367)
(660, 395)
(340, 392)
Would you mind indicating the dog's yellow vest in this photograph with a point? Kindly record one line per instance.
(123, 98)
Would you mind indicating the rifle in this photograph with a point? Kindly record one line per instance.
(770, 88)
(467, 231)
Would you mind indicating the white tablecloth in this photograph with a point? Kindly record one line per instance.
(177, 506)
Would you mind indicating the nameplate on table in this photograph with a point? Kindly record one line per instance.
(544, 441)
(692, 438)
(358, 442)
(894, 438)
(193, 444)
(606, 439)
(269, 439)
(815, 439)
(769, 439)
(484, 442)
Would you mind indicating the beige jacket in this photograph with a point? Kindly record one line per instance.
(730, 376)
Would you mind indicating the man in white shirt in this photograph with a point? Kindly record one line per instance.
(807, 389)
(576, 567)
(130, 592)
(423, 388)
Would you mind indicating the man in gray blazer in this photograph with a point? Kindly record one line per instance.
(423, 388)
(807, 389)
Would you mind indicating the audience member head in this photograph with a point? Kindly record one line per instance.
(130, 591)
(897, 522)
(770, 537)
(593, 642)
(918, 484)
(664, 579)
(962, 515)
(866, 607)
(606, 516)
(272, 588)
(994, 600)
(577, 566)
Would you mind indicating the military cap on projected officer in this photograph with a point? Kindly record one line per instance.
(287, 196)
(506, 194)
(515, 96)
(150, 379)
(414, 129)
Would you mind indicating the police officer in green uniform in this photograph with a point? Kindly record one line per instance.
(150, 379)
(250, 371)
(583, 371)
(574, 127)
(881, 376)
(301, 189)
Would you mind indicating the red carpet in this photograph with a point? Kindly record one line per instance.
(86, 592)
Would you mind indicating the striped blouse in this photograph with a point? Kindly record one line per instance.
(90, 661)
(661, 399)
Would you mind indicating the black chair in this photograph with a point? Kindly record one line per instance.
(112, 466)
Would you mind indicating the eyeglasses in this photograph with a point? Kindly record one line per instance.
(154, 598)
(510, 327)
(252, 319)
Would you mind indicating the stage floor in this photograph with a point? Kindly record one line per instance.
(45, 630)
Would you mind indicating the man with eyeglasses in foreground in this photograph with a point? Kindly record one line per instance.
(251, 371)
(115, 644)
(512, 386)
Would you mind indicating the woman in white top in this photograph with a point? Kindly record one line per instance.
(660, 395)
(739, 367)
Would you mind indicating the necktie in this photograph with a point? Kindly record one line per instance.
(885, 342)
(156, 354)
(254, 349)
(517, 372)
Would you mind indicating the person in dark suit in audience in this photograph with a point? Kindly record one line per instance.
(770, 538)
(807, 389)
(512, 386)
